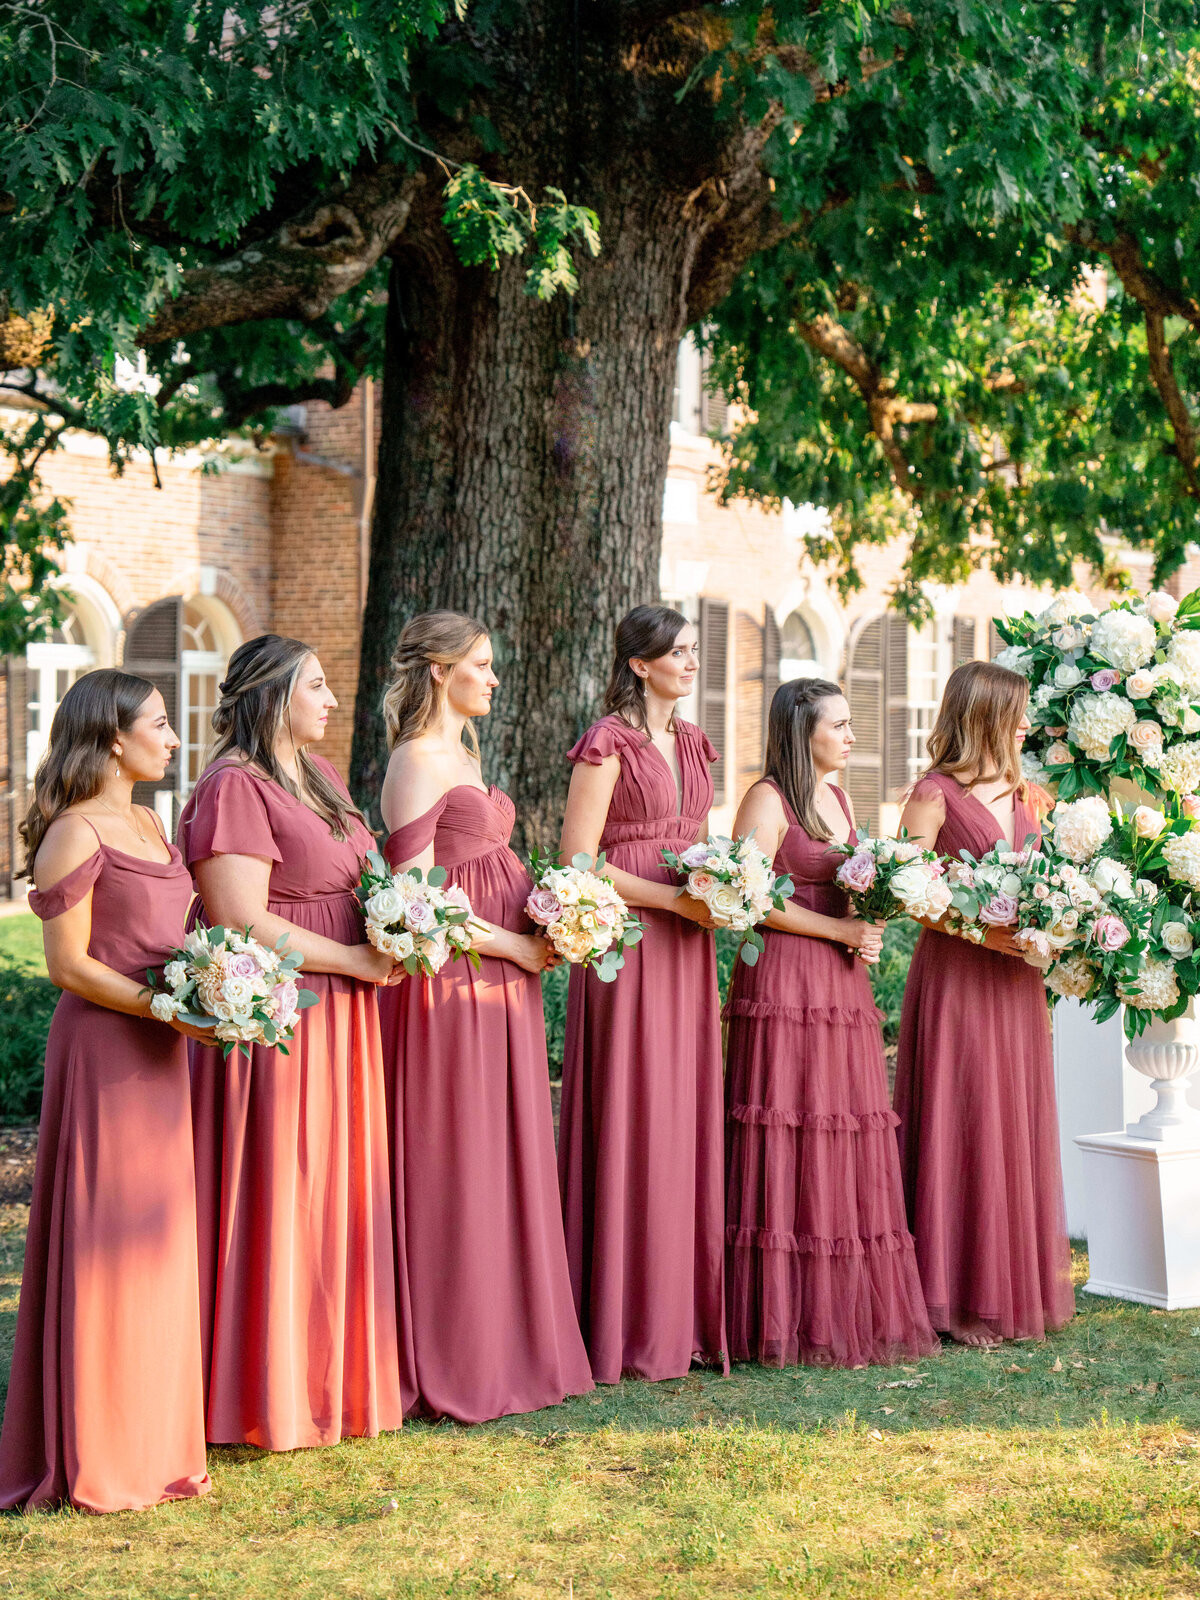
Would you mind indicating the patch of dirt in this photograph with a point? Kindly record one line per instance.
(18, 1152)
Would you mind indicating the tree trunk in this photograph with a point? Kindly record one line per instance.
(521, 468)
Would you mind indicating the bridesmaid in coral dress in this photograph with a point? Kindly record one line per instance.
(640, 1146)
(298, 1278)
(494, 1328)
(820, 1262)
(975, 1075)
(105, 1401)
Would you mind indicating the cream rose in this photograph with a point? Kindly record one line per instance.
(1148, 823)
(1145, 736)
(1058, 754)
(724, 902)
(1161, 606)
(1177, 938)
(1140, 685)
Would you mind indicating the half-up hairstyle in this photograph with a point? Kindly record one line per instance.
(793, 718)
(254, 710)
(975, 735)
(643, 634)
(93, 713)
(413, 696)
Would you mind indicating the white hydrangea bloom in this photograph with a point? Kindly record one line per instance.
(1183, 658)
(1016, 660)
(1097, 719)
(1179, 767)
(1065, 608)
(1124, 640)
(1081, 827)
(1182, 855)
(1155, 988)
(1071, 978)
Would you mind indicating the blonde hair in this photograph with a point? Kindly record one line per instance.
(253, 710)
(976, 728)
(413, 696)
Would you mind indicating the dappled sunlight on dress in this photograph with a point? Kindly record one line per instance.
(105, 1399)
(979, 1124)
(820, 1262)
(640, 1147)
(297, 1267)
(494, 1327)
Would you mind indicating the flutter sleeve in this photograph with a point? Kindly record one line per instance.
(68, 891)
(707, 749)
(604, 738)
(927, 791)
(228, 816)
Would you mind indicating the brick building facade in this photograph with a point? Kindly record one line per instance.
(169, 580)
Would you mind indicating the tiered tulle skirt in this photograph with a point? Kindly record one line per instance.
(820, 1267)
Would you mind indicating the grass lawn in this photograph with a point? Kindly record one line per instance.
(1069, 1468)
(21, 942)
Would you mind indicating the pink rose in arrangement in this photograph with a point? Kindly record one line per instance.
(1034, 941)
(1191, 805)
(857, 872)
(1110, 933)
(544, 906)
(607, 916)
(285, 996)
(456, 896)
(242, 966)
(1105, 679)
(999, 912)
(420, 916)
(695, 855)
(700, 883)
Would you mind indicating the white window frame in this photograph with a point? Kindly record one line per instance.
(930, 661)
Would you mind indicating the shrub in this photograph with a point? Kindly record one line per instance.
(889, 977)
(27, 1003)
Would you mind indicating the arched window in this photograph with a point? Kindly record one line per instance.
(797, 650)
(52, 666)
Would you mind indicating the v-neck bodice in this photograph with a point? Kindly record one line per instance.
(969, 825)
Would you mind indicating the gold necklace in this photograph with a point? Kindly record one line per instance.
(128, 820)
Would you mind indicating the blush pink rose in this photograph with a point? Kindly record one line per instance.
(1110, 933)
(857, 873)
(544, 906)
(700, 883)
(607, 916)
(1191, 805)
(242, 965)
(1000, 911)
(285, 996)
(419, 916)
(1105, 679)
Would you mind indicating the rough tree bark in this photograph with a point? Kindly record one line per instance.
(524, 446)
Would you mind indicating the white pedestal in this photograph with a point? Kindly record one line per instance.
(1143, 1215)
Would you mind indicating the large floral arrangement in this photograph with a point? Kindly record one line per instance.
(887, 878)
(416, 918)
(585, 918)
(1114, 693)
(1134, 915)
(231, 983)
(737, 882)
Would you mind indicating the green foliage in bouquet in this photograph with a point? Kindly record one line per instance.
(559, 920)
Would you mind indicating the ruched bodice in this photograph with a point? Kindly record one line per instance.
(469, 830)
(139, 908)
(645, 809)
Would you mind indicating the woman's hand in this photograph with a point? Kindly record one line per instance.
(480, 933)
(1002, 941)
(864, 938)
(201, 1035)
(693, 910)
(369, 965)
(532, 953)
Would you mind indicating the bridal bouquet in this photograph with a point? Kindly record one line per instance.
(584, 917)
(231, 983)
(1001, 889)
(417, 919)
(1114, 693)
(737, 883)
(888, 878)
(1138, 928)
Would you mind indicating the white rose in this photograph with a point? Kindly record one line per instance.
(1065, 607)
(165, 1006)
(1058, 754)
(1067, 638)
(1067, 675)
(1161, 606)
(1110, 877)
(175, 974)
(1097, 719)
(1124, 640)
(1177, 938)
(724, 902)
(385, 906)
(238, 992)
(1146, 738)
(1148, 823)
(1140, 685)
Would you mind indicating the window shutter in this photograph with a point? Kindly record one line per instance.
(995, 642)
(865, 692)
(153, 649)
(747, 711)
(964, 640)
(895, 774)
(714, 668)
(714, 408)
(772, 650)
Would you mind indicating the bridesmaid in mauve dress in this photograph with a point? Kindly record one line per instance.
(298, 1279)
(105, 1400)
(640, 1146)
(494, 1328)
(820, 1261)
(975, 1074)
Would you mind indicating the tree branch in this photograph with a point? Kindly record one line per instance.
(1146, 287)
(830, 339)
(1162, 370)
(302, 267)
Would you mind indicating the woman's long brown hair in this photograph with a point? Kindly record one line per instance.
(95, 710)
(974, 738)
(413, 696)
(644, 634)
(793, 718)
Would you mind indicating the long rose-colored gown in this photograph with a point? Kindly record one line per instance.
(820, 1262)
(298, 1278)
(494, 1328)
(978, 1123)
(641, 1150)
(105, 1399)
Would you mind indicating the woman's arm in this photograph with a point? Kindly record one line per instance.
(923, 819)
(588, 800)
(67, 845)
(235, 889)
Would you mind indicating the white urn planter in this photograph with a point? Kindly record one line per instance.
(1142, 1187)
